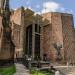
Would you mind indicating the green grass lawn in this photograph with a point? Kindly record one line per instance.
(35, 72)
(8, 71)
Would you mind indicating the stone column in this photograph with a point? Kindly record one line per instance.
(22, 31)
(41, 43)
(33, 40)
(28, 43)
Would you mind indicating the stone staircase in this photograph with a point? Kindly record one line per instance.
(66, 70)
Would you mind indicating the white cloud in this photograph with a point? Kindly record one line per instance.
(69, 11)
(50, 6)
(30, 8)
(65, 10)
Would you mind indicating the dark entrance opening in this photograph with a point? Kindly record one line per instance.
(29, 41)
(37, 41)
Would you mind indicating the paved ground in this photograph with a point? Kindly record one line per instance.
(66, 70)
(21, 70)
(72, 73)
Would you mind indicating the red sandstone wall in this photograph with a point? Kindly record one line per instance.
(57, 36)
(16, 16)
(16, 35)
(62, 30)
(0, 26)
(46, 38)
(0, 30)
(68, 36)
(52, 34)
(6, 46)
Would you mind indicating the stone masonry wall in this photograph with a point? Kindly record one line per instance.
(52, 34)
(57, 36)
(68, 36)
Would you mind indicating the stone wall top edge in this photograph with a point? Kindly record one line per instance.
(62, 13)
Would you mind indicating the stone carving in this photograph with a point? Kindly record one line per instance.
(58, 47)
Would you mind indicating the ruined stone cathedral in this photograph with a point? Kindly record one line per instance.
(50, 34)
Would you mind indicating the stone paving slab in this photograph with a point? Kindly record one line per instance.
(72, 73)
(21, 70)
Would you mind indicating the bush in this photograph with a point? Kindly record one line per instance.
(41, 72)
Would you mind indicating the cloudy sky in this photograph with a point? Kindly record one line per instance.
(42, 6)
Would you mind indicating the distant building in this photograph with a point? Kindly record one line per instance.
(35, 35)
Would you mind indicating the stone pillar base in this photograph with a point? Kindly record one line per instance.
(6, 63)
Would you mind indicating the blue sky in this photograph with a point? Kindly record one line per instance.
(42, 6)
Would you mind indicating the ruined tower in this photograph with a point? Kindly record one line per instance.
(6, 44)
(1, 3)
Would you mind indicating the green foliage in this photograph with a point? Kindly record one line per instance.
(42, 72)
(8, 71)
